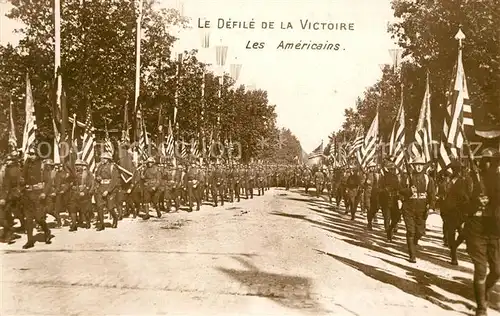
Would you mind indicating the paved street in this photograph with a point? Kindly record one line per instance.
(285, 253)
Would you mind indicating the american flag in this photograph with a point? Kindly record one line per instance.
(88, 147)
(168, 146)
(423, 134)
(458, 113)
(108, 145)
(194, 148)
(12, 129)
(370, 144)
(355, 145)
(397, 139)
(30, 123)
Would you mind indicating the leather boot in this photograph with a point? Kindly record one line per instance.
(410, 241)
(146, 210)
(100, 221)
(480, 294)
(74, 221)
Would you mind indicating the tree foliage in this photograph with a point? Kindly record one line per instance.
(425, 31)
(98, 69)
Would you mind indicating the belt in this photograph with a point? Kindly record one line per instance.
(81, 187)
(479, 213)
(36, 186)
(419, 196)
(105, 181)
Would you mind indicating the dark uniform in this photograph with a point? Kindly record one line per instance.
(390, 199)
(10, 195)
(482, 229)
(151, 178)
(353, 184)
(319, 182)
(419, 199)
(192, 187)
(107, 179)
(80, 196)
(218, 179)
(371, 196)
(35, 193)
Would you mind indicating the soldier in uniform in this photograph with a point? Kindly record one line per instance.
(442, 192)
(107, 179)
(390, 199)
(218, 180)
(260, 176)
(341, 188)
(61, 188)
(192, 186)
(35, 193)
(419, 200)
(306, 176)
(353, 184)
(10, 195)
(482, 228)
(371, 194)
(232, 178)
(151, 177)
(80, 196)
(453, 207)
(250, 181)
(178, 185)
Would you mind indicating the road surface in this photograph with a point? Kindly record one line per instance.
(284, 253)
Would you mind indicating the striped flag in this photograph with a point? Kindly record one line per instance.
(370, 143)
(194, 148)
(397, 139)
(12, 129)
(88, 147)
(356, 144)
(423, 134)
(461, 111)
(108, 145)
(169, 142)
(30, 123)
(126, 127)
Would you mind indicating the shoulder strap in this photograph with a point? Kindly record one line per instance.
(426, 176)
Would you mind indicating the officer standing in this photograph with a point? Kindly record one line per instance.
(482, 228)
(35, 193)
(107, 180)
(419, 200)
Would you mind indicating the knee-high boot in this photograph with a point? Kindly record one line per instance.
(480, 294)
(410, 241)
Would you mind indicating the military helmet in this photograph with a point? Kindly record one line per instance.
(150, 160)
(372, 164)
(489, 153)
(106, 155)
(48, 162)
(390, 165)
(80, 162)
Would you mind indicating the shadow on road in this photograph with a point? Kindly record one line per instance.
(287, 290)
(419, 285)
(355, 232)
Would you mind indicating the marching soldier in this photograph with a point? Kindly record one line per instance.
(260, 175)
(61, 189)
(107, 178)
(49, 174)
(341, 188)
(482, 228)
(218, 184)
(419, 200)
(202, 179)
(36, 189)
(371, 195)
(233, 183)
(80, 196)
(319, 181)
(10, 195)
(178, 185)
(250, 180)
(453, 207)
(151, 178)
(192, 187)
(353, 184)
(441, 195)
(307, 179)
(390, 199)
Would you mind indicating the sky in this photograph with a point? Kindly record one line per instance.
(310, 88)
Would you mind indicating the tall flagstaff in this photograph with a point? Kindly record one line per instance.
(138, 56)
(57, 70)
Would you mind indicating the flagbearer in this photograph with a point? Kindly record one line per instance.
(107, 179)
(80, 196)
(419, 200)
(482, 228)
(35, 194)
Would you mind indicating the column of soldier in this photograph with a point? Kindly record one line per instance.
(32, 190)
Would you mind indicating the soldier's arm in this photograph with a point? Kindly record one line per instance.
(90, 183)
(115, 180)
(431, 193)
